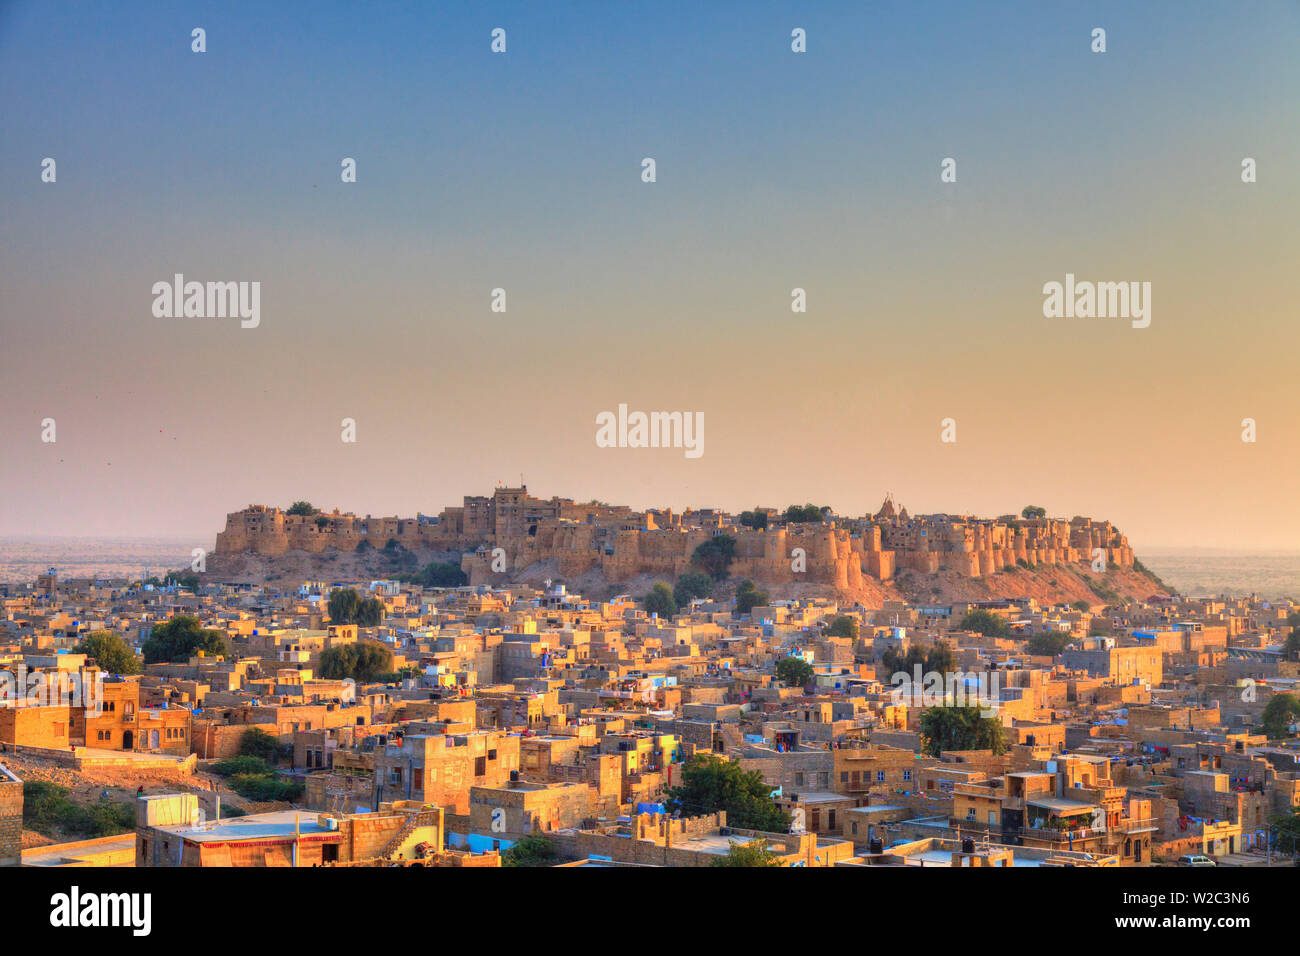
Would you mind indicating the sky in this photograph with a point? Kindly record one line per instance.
(775, 170)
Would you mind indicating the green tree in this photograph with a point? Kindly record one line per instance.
(897, 661)
(245, 765)
(753, 853)
(1081, 606)
(710, 784)
(843, 626)
(1285, 832)
(804, 514)
(532, 850)
(748, 597)
(183, 637)
(256, 742)
(660, 601)
(110, 651)
(346, 606)
(939, 658)
(691, 585)
(754, 519)
(442, 574)
(302, 508)
(362, 661)
(1291, 648)
(960, 728)
(370, 611)
(715, 555)
(264, 789)
(343, 605)
(47, 809)
(1279, 714)
(1049, 644)
(794, 672)
(1033, 511)
(986, 623)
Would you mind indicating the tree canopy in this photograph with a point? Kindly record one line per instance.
(363, 661)
(532, 850)
(749, 596)
(986, 623)
(710, 784)
(843, 626)
(753, 853)
(691, 585)
(794, 672)
(937, 657)
(1279, 714)
(346, 606)
(960, 728)
(256, 743)
(660, 601)
(1033, 511)
(715, 555)
(302, 508)
(1286, 831)
(805, 514)
(1049, 644)
(110, 651)
(183, 637)
(440, 574)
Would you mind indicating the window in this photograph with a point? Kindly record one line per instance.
(480, 766)
(880, 776)
(907, 775)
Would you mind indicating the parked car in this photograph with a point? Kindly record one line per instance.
(1192, 860)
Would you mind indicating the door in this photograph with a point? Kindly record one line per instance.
(128, 740)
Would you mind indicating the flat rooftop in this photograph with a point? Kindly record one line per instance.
(261, 826)
(82, 852)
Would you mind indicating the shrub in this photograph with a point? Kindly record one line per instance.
(47, 810)
(256, 742)
(660, 601)
(241, 765)
(264, 789)
(532, 850)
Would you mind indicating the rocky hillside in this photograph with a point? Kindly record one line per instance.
(1048, 583)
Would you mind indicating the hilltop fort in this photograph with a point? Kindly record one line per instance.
(500, 536)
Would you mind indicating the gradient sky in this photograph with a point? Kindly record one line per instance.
(775, 170)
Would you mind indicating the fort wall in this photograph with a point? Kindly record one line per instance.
(621, 543)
